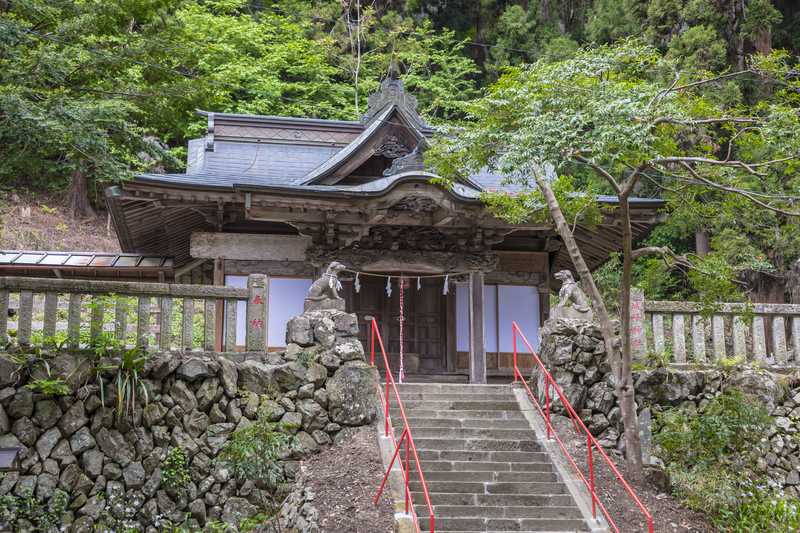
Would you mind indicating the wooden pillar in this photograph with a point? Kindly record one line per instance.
(219, 279)
(544, 304)
(450, 330)
(477, 353)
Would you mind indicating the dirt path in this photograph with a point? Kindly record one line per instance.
(345, 478)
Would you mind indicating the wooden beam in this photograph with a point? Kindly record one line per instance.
(249, 247)
(477, 352)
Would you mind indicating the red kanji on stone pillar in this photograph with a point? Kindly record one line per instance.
(258, 287)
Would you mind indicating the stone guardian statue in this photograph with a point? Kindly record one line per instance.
(572, 301)
(324, 292)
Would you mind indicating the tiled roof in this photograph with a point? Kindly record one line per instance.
(72, 260)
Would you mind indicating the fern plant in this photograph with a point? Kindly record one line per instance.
(49, 386)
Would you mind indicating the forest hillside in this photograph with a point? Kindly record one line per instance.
(92, 92)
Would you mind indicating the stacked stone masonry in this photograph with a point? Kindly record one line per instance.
(575, 354)
(110, 467)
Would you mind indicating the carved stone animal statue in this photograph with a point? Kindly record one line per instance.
(324, 292)
(572, 301)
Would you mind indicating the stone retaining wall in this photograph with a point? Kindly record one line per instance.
(575, 354)
(111, 467)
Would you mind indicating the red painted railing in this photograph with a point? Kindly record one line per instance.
(580, 427)
(406, 440)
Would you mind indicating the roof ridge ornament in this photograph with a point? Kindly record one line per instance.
(407, 163)
(392, 91)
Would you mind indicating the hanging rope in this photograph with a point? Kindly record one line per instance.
(402, 374)
(420, 277)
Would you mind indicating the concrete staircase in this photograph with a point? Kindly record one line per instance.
(483, 465)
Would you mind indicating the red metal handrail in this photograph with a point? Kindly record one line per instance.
(405, 437)
(591, 443)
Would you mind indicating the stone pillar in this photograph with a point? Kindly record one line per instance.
(477, 353)
(257, 312)
(638, 338)
(219, 280)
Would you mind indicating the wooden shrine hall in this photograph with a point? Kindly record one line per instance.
(286, 196)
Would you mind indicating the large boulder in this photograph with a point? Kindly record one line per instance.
(300, 331)
(663, 386)
(351, 395)
(758, 383)
(255, 376)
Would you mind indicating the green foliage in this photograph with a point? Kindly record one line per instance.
(127, 381)
(175, 469)
(49, 387)
(254, 452)
(45, 517)
(528, 206)
(728, 427)
(711, 454)
(761, 512)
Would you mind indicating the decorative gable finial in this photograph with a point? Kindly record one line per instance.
(392, 91)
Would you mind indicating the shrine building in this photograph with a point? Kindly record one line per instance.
(286, 196)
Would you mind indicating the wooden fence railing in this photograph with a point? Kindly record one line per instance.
(78, 314)
(769, 333)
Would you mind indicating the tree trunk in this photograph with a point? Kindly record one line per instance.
(564, 231)
(620, 365)
(624, 382)
(701, 244)
(78, 195)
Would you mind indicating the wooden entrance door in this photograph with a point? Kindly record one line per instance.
(425, 319)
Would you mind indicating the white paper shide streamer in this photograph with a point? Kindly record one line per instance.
(389, 287)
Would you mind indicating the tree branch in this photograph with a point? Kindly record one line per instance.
(710, 80)
(720, 120)
(600, 170)
(740, 192)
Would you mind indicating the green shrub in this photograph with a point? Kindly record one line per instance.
(761, 512)
(724, 431)
(254, 452)
(711, 458)
(175, 469)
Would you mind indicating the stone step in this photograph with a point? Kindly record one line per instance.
(476, 487)
(476, 444)
(482, 455)
(500, 511)
(440, 405)
(450, 387)
(485, 476)
(482, 423)
(510, 524)
(495, 500)
(493, 414)
(454, 397)
(478, 466)
(470, 433)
